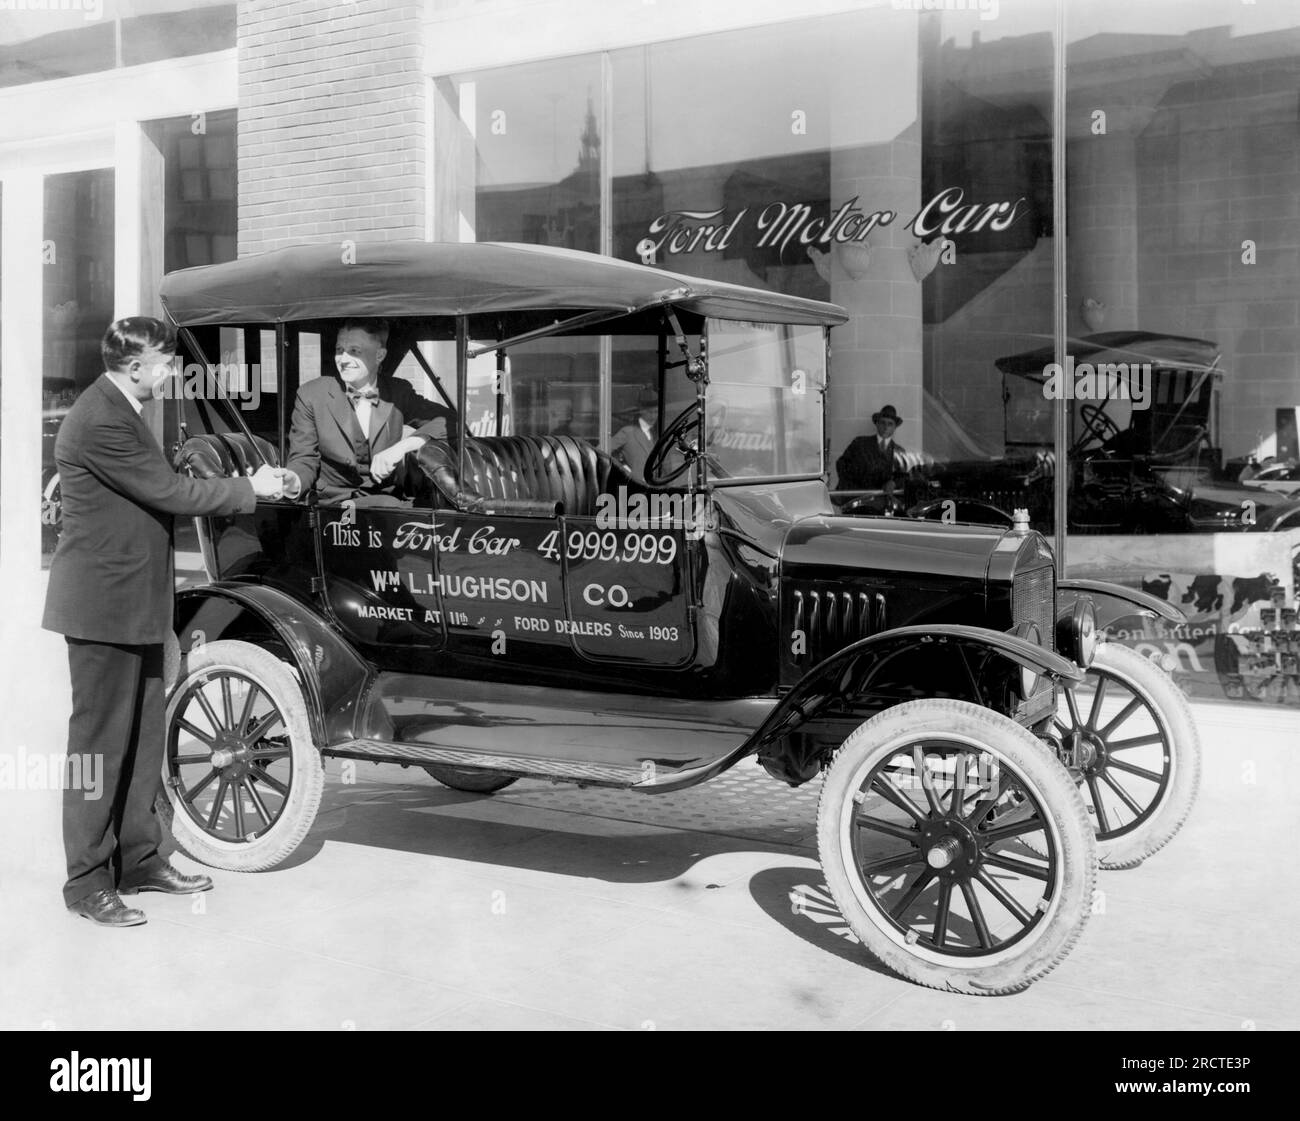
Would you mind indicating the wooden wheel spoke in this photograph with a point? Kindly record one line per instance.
(217, 802)
(911, 836)
(1124, 795)
(941, 917)
(1072, 703)
(194, 791)
(1134, 769)
(923, 881)
(927, 784)
(196, 732)
(259, 730)
(891, 793)
(275, 784)
(258, 804)
(206, 705)
(1120, 717)
(1097, 699)
(1002, 896)
(1103, 821)
(247, 714)
(1011, 829)
(237, 801)
(977, 915)
(227, 702)
(1137, 741)
(1012, 864)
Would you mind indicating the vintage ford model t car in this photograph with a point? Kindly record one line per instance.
(536, 609)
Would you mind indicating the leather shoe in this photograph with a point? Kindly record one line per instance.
(104, 908)
(168, 880)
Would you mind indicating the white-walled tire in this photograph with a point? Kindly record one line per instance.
(920, 829)
(1138, 750)
(242, 778)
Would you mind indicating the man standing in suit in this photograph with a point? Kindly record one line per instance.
(349, 437)
(110, 595)
(631, 444)
(871, 462)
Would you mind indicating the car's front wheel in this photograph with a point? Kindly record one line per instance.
(922, 829)
(242, 778)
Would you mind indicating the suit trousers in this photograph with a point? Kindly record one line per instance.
(117, 713)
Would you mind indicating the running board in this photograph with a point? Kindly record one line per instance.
(583, 773)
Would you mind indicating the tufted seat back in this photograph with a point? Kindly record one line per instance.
(541, 469)
(214, 455)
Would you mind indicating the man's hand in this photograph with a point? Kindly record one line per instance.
(385, 463)
(268, 481)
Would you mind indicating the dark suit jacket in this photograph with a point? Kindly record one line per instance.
(326, 447)
(111, 578)
(632, 446)
(863, 466)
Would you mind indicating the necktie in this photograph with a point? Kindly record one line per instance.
(363, 401)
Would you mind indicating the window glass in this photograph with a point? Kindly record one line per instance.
(77, 295)
(1184, 327)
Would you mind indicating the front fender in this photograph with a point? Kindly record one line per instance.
(334, 677)
(849, 671)
(1114, 602)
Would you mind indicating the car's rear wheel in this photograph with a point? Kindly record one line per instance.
(242, 778)
(1137, 750)
(469, 779)
(921, 831)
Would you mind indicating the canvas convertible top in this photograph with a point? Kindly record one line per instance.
(1177, 351)
(448, 279)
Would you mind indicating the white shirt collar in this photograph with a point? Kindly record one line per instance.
(136, 404)
(645, 427)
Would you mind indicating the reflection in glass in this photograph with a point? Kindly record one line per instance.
(77, 295)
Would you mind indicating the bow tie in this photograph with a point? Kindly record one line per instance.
(370, 394)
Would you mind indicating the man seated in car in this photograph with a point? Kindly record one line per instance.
(348, 437)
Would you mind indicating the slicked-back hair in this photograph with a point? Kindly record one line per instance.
(128, 338)
(375, 328)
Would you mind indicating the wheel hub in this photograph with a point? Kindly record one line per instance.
(949, 848)
(230, 755)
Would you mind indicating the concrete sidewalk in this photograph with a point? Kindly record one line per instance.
(412, 906)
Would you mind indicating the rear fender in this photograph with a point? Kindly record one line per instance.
(1114, 602)
(334, 677)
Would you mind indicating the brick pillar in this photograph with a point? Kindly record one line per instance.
(876, 157)
(332, 133)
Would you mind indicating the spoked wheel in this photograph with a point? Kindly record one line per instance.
(922, 827)
(1136, 753)
(242, 779)
(469, 779)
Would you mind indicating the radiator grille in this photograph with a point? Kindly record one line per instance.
(1033, 600)
(830, 620)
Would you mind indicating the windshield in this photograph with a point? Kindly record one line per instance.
(766, 383)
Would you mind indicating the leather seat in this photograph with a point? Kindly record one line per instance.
(542, 469)
(214, 455)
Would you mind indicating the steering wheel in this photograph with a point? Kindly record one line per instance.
(673, 439)
(1097, 425)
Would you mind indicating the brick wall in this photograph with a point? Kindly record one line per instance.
(1218, 165)
(332, 134)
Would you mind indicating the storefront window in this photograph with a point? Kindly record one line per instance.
(77, 295)
(898, 161)
(47, 39)
(1184, 328)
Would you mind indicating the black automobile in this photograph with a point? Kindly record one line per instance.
(1143, 456)
(534, 609)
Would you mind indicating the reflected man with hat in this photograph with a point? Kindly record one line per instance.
(631, 444)
(872, 462)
